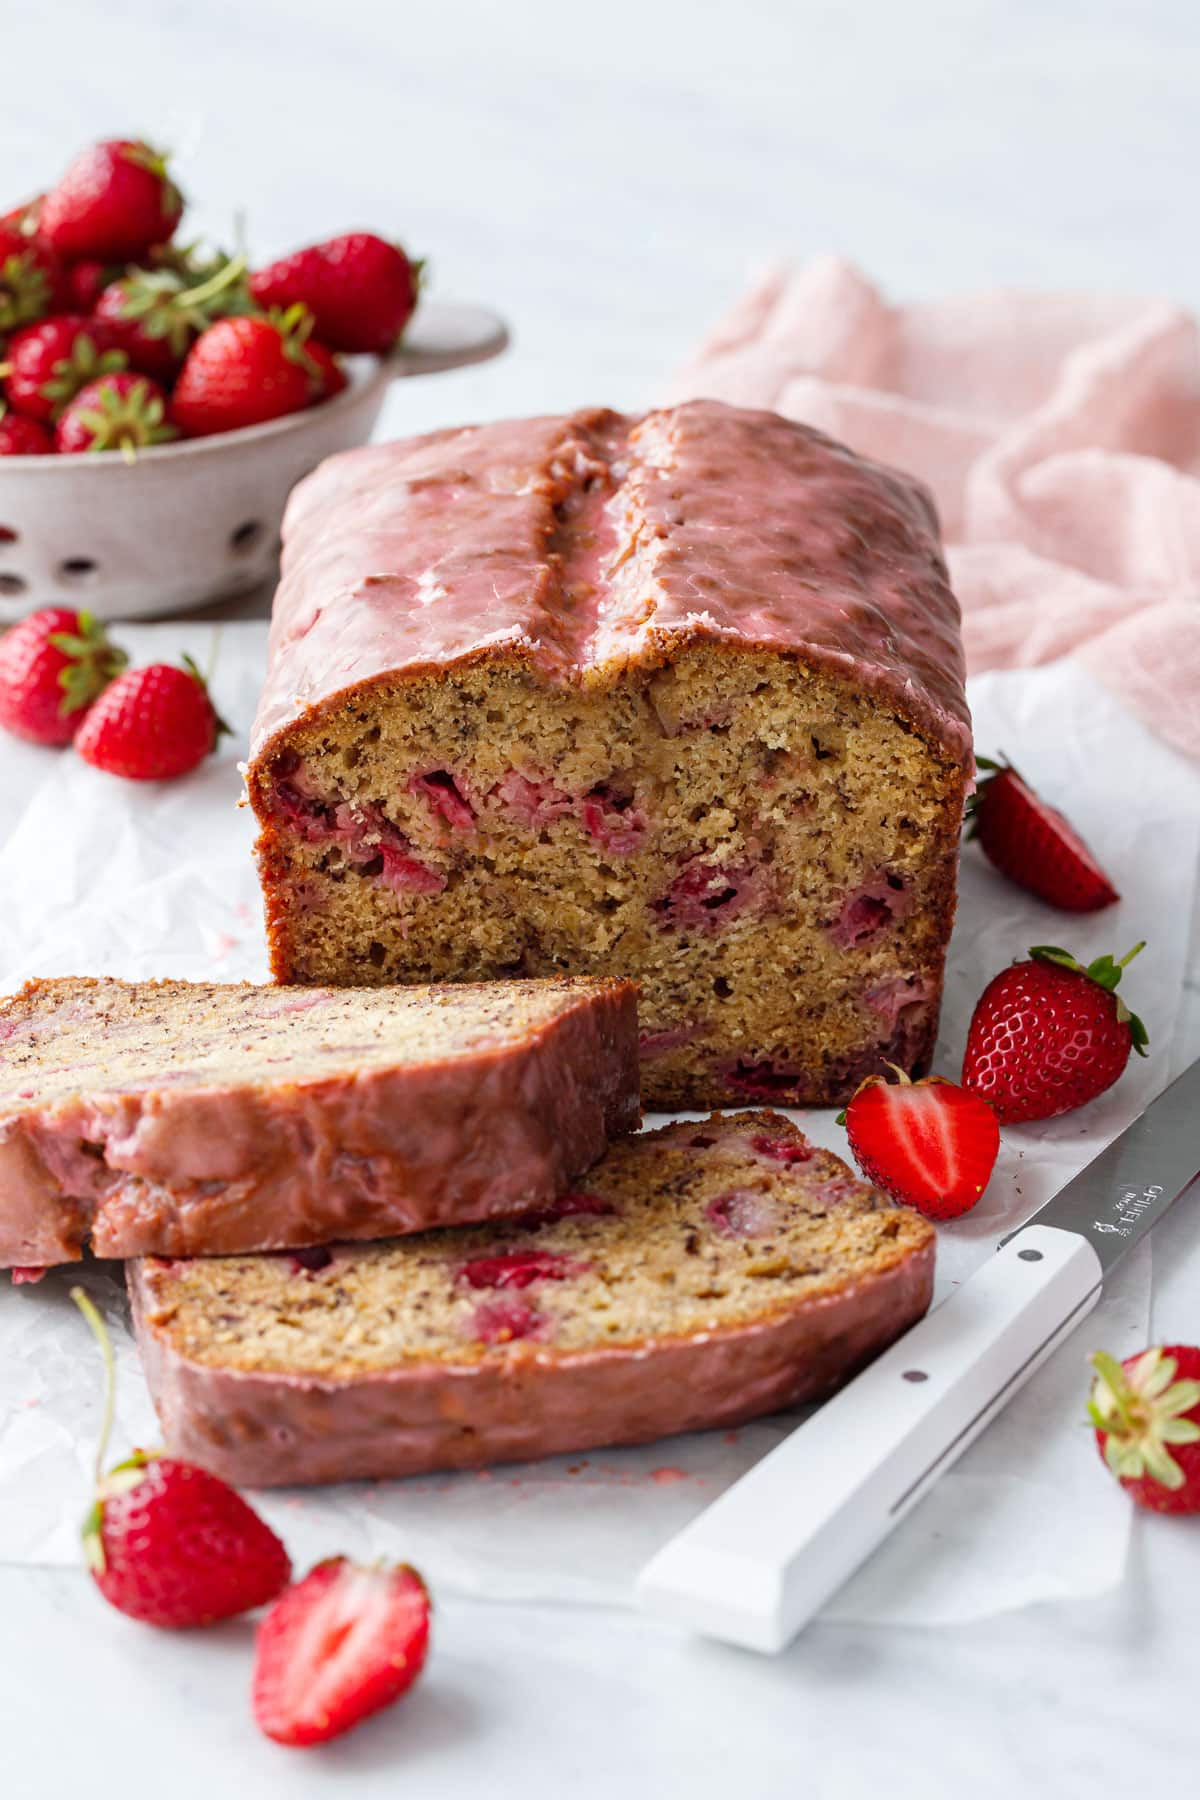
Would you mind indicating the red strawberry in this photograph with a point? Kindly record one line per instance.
(114, 202)
(340, 1645)
(1146, 1411)
(52, 667)
(166, 1542)
(23, 437)
(360, 290)
(31, 277)
(50, 362)
(86, 281)
(927, 1143)
(330, 373)
(244, 372)
(123, 412)
(154, 723)
(155, 316)
(1049, 1035)
(1033, 844)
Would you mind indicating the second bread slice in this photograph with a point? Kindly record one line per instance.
(176, 1118)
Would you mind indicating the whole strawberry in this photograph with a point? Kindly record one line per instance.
(166, 1542)
(1048, 1035)
(1146, 1411)
(245, 371)
(152, 724)
(154, 315)
(927, 1143)
(360, 290)
(50, 362)
(31, 278)
(340, 1645)
(115, 201)
(123, 412)
(85, 282)
(1034, 845)
(23, 437)
(52, 667)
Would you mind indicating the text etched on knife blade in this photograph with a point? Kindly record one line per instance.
(1130, 1204)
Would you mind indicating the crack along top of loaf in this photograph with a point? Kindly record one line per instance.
(586, 543)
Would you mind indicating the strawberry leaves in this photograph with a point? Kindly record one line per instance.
(1106, 972)
(1140, 1409)
(92, 662)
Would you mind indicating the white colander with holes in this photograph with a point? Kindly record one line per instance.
(191, 522)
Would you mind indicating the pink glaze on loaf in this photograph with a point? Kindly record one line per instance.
(189, 1163)
(723, 1269)
(408, 557)
(263, 1430)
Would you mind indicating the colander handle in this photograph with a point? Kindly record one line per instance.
(445, 336)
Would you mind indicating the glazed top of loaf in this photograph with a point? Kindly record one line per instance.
(583, 543)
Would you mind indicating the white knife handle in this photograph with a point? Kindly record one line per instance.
(757, 1564)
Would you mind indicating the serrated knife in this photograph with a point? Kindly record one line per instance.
(755, 1566)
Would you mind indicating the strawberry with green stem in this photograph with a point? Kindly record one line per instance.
(49, 363)
(123, 411)
(1146, 1412)
(360, 290)
(246, 371)
(114, 203)
(152, 724)
(53, 666)
(31, 278)
(1048, 1034)
(166, 1542)
(154, 315)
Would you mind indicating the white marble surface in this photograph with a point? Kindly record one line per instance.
(608, 177)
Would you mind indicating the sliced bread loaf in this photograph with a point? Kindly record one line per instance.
(188, 1119)
(703, 1274)
(677, 697)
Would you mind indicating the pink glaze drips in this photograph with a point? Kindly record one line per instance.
(586, 542)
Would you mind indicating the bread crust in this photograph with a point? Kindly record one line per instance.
(587, 556)
(270, 1430)
(217, 1167)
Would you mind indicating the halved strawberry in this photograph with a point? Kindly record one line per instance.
(340, 1645)
(927, 1143)
(1033, 844)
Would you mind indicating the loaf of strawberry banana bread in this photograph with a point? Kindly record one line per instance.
(701, 1275)
(677, 697)
(187, 1119)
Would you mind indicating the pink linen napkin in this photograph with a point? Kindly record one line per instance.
(1060, 434)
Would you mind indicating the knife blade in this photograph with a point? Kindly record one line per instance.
(1125, 1191)
(755, 1566)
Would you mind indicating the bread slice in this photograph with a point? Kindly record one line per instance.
(701, 1275)
(186, 1118)
(678, 698)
